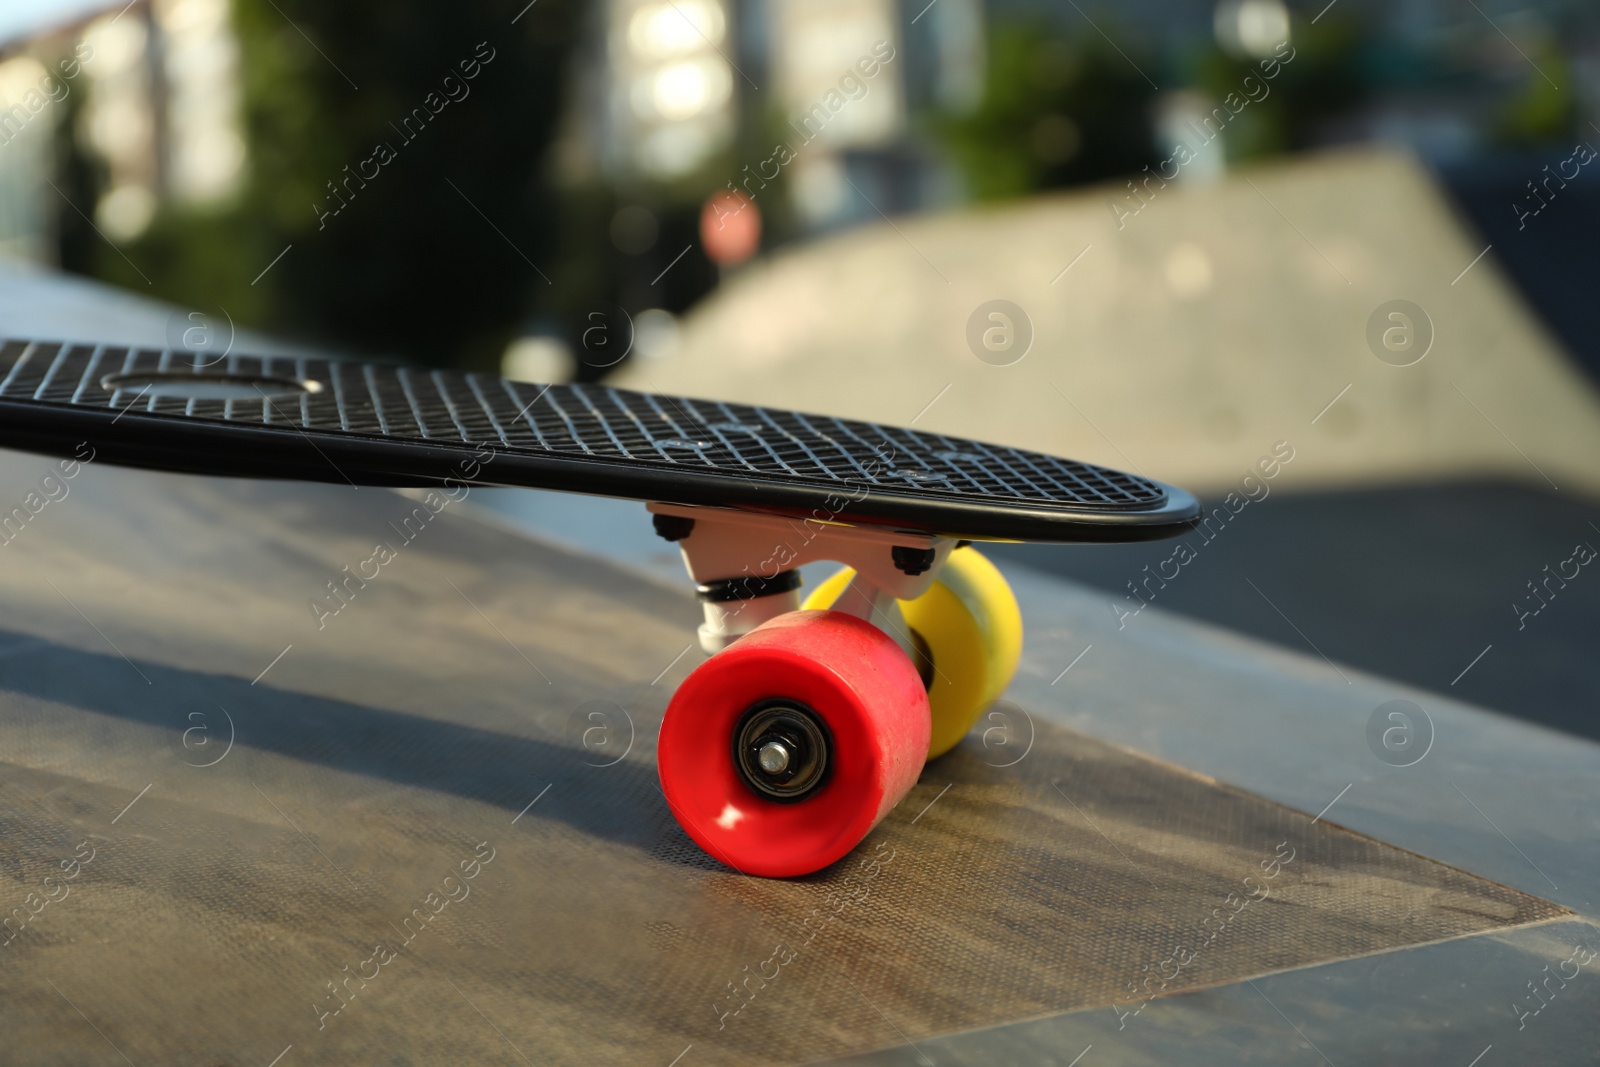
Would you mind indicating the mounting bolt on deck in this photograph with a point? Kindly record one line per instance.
(672, 527)
(912, 561)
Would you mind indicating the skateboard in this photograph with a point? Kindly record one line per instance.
(811, 718)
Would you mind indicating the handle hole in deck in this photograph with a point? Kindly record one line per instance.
(187, 385)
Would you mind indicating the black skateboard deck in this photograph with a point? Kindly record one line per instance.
(386, 425)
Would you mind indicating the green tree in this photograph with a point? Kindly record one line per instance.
(1055, 111)
(438, 257)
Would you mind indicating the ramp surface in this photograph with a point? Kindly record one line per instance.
(413, 817)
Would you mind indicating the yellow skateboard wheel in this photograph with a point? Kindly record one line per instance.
(970, 626)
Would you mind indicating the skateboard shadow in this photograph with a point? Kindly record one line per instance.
(620, 803)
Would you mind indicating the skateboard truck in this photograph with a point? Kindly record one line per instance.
(743, 564)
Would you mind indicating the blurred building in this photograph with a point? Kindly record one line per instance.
(704, 91)
(149, 89)
(670, 103)
(162, 109)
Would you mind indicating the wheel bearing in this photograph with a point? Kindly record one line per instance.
(782, 750)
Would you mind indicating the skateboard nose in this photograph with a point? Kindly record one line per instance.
(773, 757)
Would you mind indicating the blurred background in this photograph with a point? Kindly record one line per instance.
(1199, 217)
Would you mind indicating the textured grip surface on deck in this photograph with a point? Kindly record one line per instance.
(403, 404)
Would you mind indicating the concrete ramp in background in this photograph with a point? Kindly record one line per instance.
(1182, 341)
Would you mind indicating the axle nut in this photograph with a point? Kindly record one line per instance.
(774, 757)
